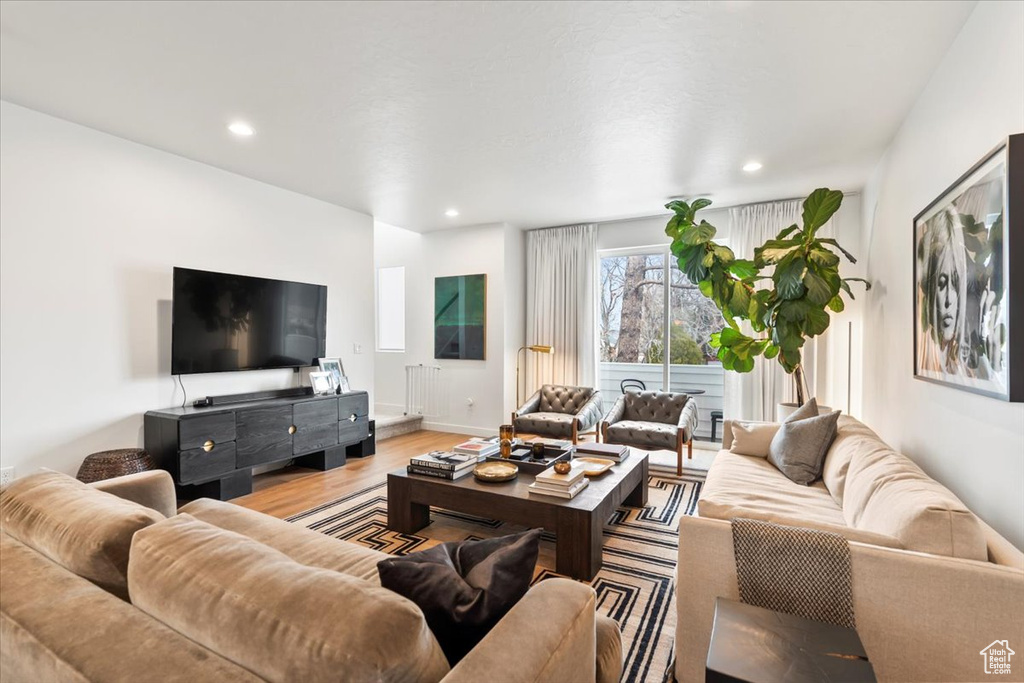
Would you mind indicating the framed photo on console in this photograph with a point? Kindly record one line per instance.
(335, 367)
(322, 383)
(968, 258)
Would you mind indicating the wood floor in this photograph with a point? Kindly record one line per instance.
(286, 492)
(294, 489)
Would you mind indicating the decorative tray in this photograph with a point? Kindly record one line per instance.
(528, 465)
(593, 467)
(496, 471)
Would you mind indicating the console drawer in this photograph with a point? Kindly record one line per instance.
(353, 430)
(195, 432)
(199, 464)
(316, 426)
(355, 404)
(264, 435)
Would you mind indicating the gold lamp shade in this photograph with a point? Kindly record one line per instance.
(536, 348)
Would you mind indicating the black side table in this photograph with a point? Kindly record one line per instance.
(756, 645)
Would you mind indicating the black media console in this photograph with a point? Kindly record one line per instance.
(211, 451)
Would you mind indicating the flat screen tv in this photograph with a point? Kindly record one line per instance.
(222, 322)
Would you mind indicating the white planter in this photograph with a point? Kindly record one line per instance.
(784, 410)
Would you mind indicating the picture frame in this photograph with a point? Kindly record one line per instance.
(968, 255)
(460, 317)
(344, 385)
(335, 367)
(322, 383)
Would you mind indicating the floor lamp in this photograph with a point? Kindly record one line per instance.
(536, 348)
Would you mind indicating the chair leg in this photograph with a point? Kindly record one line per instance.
(575, 434)
(689, 449)
(679, 458)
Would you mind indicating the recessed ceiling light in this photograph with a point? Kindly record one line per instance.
(451, 213)
(241, 128)
(752, 166)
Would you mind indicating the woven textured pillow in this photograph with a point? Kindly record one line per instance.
(798, 449)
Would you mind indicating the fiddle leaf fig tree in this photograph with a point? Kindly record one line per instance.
(794, 304)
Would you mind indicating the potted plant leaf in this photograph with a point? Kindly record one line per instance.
(799, 292)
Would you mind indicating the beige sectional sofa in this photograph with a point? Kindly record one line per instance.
(102, 587)
(932, 584)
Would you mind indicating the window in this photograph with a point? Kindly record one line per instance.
(648, 306)
(391, 309)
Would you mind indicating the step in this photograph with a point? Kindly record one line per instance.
(388, 426)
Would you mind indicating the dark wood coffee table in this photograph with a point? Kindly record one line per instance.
(578, 523)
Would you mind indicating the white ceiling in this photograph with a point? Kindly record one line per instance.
(531, 113)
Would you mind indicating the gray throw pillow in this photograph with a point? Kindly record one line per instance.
(809, 409)
(798, 449)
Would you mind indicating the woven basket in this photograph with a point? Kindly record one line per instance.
(115, 463)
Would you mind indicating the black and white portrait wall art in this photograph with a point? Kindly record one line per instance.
(969, 279)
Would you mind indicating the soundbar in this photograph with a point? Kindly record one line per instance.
(253, 396)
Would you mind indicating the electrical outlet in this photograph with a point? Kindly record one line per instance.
(6, 476)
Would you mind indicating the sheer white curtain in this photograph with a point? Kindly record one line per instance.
(753, 395)
(561, 306)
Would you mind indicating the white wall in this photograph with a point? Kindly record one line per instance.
(489, 384)
(90, 228)
(973, 444)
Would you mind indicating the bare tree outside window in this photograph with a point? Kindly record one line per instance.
(632, 325)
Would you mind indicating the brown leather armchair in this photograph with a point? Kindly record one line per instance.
(559, 412)
(653, 420)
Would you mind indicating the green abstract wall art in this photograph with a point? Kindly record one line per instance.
(460, 317)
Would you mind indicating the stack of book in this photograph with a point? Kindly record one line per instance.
(551, 483)
(442, 464)
(478, 447)
(609, 451)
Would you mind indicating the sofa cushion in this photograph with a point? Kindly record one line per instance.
(282, 620)
(465, 587)
(86, 531)
(852, 436)
(644, 434)
(305, 546)
(798, 449)
(753, 438)
(886, 493)
(557, 425)
(57, 626)
(741, 486)
(567, 400)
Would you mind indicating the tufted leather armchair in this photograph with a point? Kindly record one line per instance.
(559, 412)
(653, 420)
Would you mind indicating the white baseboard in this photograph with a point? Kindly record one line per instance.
(457, 429)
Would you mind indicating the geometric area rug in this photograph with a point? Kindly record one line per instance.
(635, 586)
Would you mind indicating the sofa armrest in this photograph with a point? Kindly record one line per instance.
(590, 412)
(688, 419)
(532, 405)
(918, 615)
(550, 635)
(153, 489)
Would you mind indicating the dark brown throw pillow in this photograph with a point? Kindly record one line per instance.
(464, 588)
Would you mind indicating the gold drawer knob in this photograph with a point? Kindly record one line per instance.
(208, 446)
(352, 417)
(292, 429)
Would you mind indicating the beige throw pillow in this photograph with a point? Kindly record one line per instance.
(753, 438)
